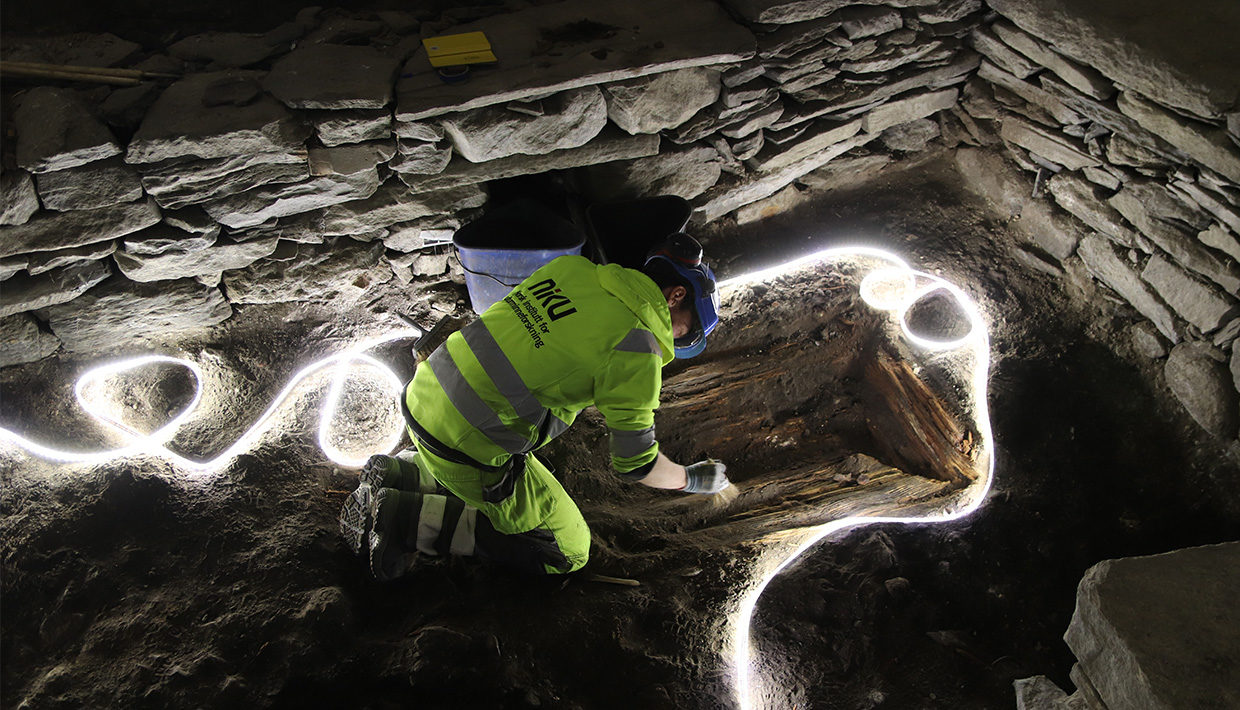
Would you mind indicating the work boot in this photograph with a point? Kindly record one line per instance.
(394, 511)
(399, 472)
(356, 516)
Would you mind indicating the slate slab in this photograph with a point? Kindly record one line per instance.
(1150, 631)
(685, 172)
(1209, 146)
(1085, 79)
(350, 159)
(911, 136)
(26, 293)
(56, 131)
(179, 182)
(165, 238)
(18, 200)
(1078, 197)
(254, 207)
(984, 41)
(786, 11)
(207, 263)
(120, 313)
(820, 136)
(419, 158)
(51, 231)
(569, 120)
(1182, 59)
(99, 184)
(395, 203)
(610, 144)
(187, 121)
(833, 98)
(1198, 303)
(859, 22)
(653, 103)
(1217, 236)
(908, 109)
(44, 261)
(786, 40)
(947, 11)
(1034, 94)
(21, 341)
(79, 49)
(549, 48)
(1058, 148)
(1100, 258)
(334, 76)
(225, 49)
(343, 127)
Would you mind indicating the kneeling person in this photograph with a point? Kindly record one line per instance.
(573, 334)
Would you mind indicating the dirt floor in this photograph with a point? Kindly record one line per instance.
(132, 584)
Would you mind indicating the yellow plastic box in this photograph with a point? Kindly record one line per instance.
(455, 50)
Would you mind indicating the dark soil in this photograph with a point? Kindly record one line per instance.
(130, 584)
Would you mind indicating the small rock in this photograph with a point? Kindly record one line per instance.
(56, 131)
(121, 313)
(226, 49)
(898, 587)
(654, 103)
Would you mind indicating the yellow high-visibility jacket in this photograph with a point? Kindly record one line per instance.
(573, 334)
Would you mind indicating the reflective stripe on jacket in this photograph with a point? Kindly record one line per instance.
(573, 334)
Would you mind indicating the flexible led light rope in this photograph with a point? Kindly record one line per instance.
(154, 442)
(976, 340)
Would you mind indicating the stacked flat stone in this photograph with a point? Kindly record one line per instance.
(1143, 153)
(829, 77)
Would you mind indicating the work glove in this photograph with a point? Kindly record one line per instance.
(706, 477)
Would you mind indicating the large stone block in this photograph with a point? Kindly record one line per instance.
(56, 131)
(908, 109)
(1198, 303)
(652, 103)
(1100, 258)
(52, 231)
(1209, 146)
(26, 293)
(686, 173)
(785, 11)
(22, 341)
(120, 314)
(1181, 59)
(338, 271)
(395, 203)
(1158, 631)
(216, 115)
(179, 182)
(611, 144)
(254, 207)
(207, 263)
(224, 49)
(569, 119)
(18, 200)
(99, 184)
(549, 48)
(334, 76)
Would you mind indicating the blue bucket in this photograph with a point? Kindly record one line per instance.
(503, 248)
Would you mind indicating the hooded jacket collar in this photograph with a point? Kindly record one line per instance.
(642, 296)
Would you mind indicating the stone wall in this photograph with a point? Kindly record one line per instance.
(278, 166)
(1134, 154)
(326, 152)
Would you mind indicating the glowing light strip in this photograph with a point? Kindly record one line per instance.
(976, 340)
(153, 443)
